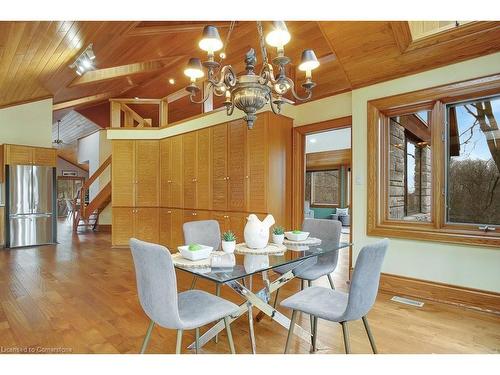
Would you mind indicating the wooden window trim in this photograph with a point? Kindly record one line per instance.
(436, 230)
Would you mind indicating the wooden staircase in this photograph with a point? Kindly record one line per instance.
(87, 216)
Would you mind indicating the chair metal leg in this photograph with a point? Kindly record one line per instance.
(330, 280)
(147, 337)
(345, 331)
(251, 330)
(217, 293)
(229, 335)
(193, 283)
(314, 334)
(302, 284)
(178, 345)
(290, 331)
(276, 298)
(309, 284)
(197, 340)
(370, 335)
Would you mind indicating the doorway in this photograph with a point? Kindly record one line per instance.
(322, 179)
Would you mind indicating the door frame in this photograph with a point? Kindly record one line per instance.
(299, 167)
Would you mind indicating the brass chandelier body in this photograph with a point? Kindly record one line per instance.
(249, 92)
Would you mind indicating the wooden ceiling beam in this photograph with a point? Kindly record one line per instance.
(84, 100)
(138, 30)
(100, 75)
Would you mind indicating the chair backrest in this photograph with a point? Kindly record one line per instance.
(329, 232)
(203, 232)
(156, 283)
(365, 280)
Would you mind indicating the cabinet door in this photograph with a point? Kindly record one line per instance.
(147, 166)
(203, 175)
(176, 229)
(123, 225)
(165, 172)
(165, 230)
(146, 224)
(189, 148)
(223, 219)
(122, 170)
(176, 174)
(257, 161)
(19, 155)
(237, 222)
(44, 156)
(237, 194)
(219, 167)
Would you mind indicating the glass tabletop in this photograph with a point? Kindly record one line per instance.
(250, 264)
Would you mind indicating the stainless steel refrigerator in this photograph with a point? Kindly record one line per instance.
(30, 205)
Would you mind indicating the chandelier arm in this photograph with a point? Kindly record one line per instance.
(294, 93)
(228, 76)
(229, 109)
(203, 99)
(276, 111)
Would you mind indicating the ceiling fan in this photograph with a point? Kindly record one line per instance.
(59, 143)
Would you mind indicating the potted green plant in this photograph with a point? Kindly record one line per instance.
(278, 235)
(228, 242)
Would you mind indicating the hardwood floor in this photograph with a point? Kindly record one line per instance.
(80, 296)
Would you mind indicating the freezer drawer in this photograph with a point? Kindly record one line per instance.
(30, 230)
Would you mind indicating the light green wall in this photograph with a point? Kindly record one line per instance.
(468, 266)
(27, 124)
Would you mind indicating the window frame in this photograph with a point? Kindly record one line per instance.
(435, 99)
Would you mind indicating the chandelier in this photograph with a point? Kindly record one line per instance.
(249, 92)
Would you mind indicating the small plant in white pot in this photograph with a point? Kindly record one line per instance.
(278, 235)
(228, 242)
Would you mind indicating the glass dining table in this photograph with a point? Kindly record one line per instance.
(286, 266)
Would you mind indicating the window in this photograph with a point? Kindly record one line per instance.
(434, 164)
(473, 162)
(323, 188)
(410, 166)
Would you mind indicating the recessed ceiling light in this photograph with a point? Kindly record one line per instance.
(171, 81)
(312, 140)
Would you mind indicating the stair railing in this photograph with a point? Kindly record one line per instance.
(82, 211)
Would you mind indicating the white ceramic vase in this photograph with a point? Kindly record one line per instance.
(278, 239)
(228, 246)
(257, 232)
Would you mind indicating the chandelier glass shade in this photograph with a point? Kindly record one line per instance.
(249, 92)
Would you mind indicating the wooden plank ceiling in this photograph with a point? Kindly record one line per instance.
(136, 59)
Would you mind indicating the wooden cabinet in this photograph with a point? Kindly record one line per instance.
(223, 172)
(219, 139)
(2, 227)
(147, 165)
(171, 220)
(26, 155)
(237, 166)
(171, 175)
(141, 223)
(135, 173)
(122, 174)
(196, 169)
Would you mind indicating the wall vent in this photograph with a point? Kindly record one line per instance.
(407, 301)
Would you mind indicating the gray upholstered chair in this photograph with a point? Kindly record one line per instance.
(329, 231)
(157, 289)
(335, 306)
(203, 232)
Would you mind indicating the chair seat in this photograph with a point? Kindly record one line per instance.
(197, 308)
(311, 269)
(324, 303)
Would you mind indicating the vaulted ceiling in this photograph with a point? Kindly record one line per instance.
(136, 59)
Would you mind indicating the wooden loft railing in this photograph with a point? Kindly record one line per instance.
(132, 119)
(100, 201)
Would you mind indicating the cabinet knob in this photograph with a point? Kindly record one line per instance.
(226, 217)
(194, 214)
(169, 212)
(246, 176)
(169, 181)
(227, 178)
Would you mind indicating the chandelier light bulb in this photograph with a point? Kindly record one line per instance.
(278, 36)
(210, 41)
(308, 62)
(193, 69)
